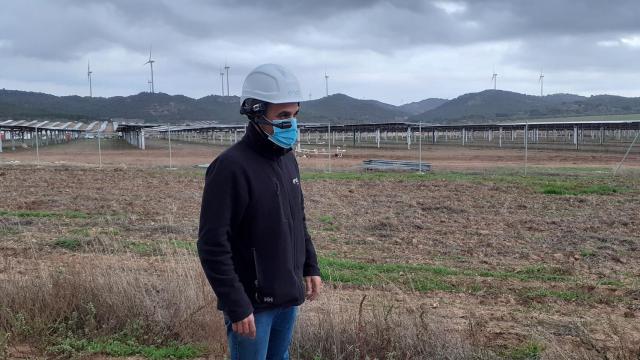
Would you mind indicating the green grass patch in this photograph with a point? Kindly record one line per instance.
(44, 214)
(586, 184)
(382, 176)
(529, 273)
(184, 245)
(592, 171)
(75, 240)
(529, 351)
(330, 227)
(610, 282)
(560, 182)
(572, 188)
(326, 219)
(585, 253)
(124, 347)
(71, 244)
(85, 232)
(141, 248)
(419, 277)
(329, 223)
(75, 215)
(565, 295)
(422, 277)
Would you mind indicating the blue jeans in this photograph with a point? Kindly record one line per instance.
(274, 329)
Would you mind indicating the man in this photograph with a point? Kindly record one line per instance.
(253, 241)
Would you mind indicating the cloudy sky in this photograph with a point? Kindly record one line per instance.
(393, 51)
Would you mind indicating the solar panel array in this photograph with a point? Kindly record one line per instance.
(197, 126)
(30, 125)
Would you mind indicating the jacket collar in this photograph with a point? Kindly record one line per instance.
(258, 140)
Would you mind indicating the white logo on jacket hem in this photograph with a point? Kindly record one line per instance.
(296, 181)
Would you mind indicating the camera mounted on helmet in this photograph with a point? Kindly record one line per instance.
(253, 108)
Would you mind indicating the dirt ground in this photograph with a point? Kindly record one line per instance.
(476, 226)
(442, 157)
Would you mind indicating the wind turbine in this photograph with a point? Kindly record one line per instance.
(326, 83)
(541, 80)
(222, 81)
(494, 78)
(226, 68)
(150, 62)
(89, 72)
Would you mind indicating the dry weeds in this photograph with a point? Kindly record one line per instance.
(116, 246)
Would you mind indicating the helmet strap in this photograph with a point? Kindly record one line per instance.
(256, 124)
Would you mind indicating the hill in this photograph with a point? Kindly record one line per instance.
(160, 107)
(498, 105)
(421, 106)
(340, 108)
(484, 106)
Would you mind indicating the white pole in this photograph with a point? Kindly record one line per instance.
(526, 146)
(329, 138)
(170, 159)
(99, 149)
(37, 148)
(420, 147)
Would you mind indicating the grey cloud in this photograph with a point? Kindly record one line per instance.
(195, 36)
(377, 25)
(572, 53)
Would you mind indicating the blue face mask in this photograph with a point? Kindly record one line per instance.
(285, 138)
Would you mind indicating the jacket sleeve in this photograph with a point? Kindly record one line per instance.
(310, 267)
(224, 199)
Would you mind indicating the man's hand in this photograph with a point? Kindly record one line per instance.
(313, 285)
(246, 327)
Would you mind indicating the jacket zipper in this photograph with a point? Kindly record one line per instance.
(293, 241)
(279, 200)
(257, 282)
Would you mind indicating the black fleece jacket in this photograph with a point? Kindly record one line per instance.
(253, 241)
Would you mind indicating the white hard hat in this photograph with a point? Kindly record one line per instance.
(271, 83)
